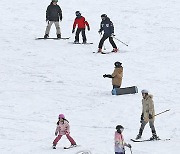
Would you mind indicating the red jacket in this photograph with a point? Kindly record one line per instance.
(81, 22)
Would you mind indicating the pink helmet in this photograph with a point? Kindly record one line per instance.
(61, 116)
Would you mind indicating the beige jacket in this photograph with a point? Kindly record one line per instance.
(148, 108)
(117, 76)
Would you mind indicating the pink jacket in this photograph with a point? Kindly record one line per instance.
(63, 128)
(119, 142)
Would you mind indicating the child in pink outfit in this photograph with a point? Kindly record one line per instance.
(119, 141)
(63, 128)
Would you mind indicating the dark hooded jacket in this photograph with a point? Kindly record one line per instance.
(53, 12)
(107, 27)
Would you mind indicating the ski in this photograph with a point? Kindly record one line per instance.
(63, 38)
(103, 52)
(81, 43)
(134, 140)
(71, 146)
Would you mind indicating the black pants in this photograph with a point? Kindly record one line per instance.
(110, 40)
(82, 30)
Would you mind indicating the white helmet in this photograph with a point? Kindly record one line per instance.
(144, 91)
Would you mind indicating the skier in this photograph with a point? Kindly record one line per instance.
(116, 75)
(82, 23)
(63, 128)
(147, 115)
(53, 14)
(108, 28)
(119, 140)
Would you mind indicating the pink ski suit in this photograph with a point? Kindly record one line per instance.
(119, 143)
(63, 128)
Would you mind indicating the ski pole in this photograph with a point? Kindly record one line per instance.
(162, 112)
(120, 41)
(131, 150)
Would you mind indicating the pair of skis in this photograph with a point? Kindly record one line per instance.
(146, 140)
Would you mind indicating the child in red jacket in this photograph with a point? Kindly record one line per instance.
(63, 129)
(82, 23)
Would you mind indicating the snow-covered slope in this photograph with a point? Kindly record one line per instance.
(40, 79)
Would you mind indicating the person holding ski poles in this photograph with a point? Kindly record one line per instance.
(108, 28)
(63, 128)
(81, 22)
(116, 75)
(147, 115)
(53, 14)
(119, 141)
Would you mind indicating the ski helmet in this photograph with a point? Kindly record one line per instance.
(117, 64)
(103, 16)
(144, 91)
(78, 13)
(119, 128)
(54, 0)
(61, 116)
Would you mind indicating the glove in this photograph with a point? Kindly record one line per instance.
(88, 28)
(129, 146)
(56, 133)
(104, 75)
(73, 30)
(100, 32)
(112, 35)
(61, 18)
(150, 116)
(142, 116)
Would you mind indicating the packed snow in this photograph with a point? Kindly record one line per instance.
(43, 78)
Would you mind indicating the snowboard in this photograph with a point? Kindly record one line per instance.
(126, 90)
(134, 140)
(52, 38)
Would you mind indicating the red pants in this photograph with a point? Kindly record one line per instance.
(68, 136)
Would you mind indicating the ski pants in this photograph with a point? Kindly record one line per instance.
(68, 137)
(110, 40)
(82, 30)
(56, 23)
(151, 124)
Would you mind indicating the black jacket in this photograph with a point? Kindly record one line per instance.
(53, 12)
(107, 27)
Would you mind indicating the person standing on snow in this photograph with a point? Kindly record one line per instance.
(53, 14)
(63, 128)
(119, 141)
(82, 23)
(147, 115)
(116, 75)
(108, 28)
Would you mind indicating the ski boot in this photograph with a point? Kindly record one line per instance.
(58, 36)
(138, 136)
(76, 42)
(84, 42)
(115, 50)
(54, 146)
(46, 36)
(99, 50)
(154, 137)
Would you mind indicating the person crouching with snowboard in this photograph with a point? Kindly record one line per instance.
(81, 22)
(63, 128)
(53, 14)
(116, 75)
(147, 115)
(119, 141)
(108, 28)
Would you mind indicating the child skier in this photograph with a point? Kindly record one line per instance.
(119, 140)
(53, 14)
(108, 28)
(82, 23)
(63, 128)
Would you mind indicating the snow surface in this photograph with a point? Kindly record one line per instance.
(40, 79)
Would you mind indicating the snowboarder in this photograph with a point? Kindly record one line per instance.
(108, 28)
(82, 23)
(53, 14)
(63, 128)
(119, 140)
(147, 115)
(116, 75)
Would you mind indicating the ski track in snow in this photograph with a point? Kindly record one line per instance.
(40, 79)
